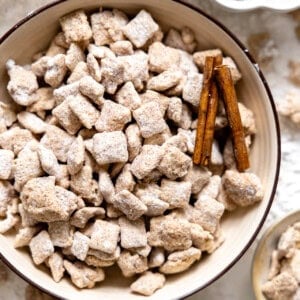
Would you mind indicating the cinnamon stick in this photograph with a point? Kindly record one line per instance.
(210, 124)
(211, 117)
(203, 105)
(226, 86)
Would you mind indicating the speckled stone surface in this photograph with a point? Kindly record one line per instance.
(236, 284)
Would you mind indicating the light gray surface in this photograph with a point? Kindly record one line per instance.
(236, 284)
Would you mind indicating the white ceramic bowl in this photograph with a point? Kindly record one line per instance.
(262, 257)
(34, 33)
(243, 5)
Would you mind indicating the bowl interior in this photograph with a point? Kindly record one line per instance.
(241, 226)
(262, 256)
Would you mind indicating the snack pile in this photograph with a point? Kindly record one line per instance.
(284, 274)
(96, 152)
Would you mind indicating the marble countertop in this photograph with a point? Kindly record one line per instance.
(235, 284)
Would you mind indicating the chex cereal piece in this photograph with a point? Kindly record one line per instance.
(56, 70)
(243, 189)
(198, 176)
(125, 180)
(61, 233)
(174, 163)
(100, 52)
(180, 140)
(202, 239)
(15, 139)
(164, 80)
(282, 286)
(247, 118)
(54, 49)
(93, 67)
(113, 117)
(134, 141)
(67, 200)
(80, 245)
(83, 276)
(173, 39)
(58, 141)
(159, 138)
(235, 73)
(192, 88)
(106, 186)
(56, 265)
(100, 32)
(160, 99)
(9, 222)
(7, 194)
(24, 236)
(135, 68)
(200, 56)
(6, 163)
(105, 236)
(186, 118)
(41, 247)
(112, 212)
(81, 70)
(112, 74)
(98, 263)
(110, 147)
(32, 122)
(174, 109)
(75, 27)
(22, 83)
(129, 204)
(207, 214)
(26, 166)
(148, 159)
(122, 47)
(140, 29)
(170, 233)
(75, 158)
(60, 94)
(128, 96)
(83, 184)
(131, 264)
(82, 216)
(7, 113)
(84, 110)
(39, 199)
(211, 189)
(148, 283)
(162, 58)
(156, 258)
(26, 218)
(149, 119)
(177, 194)
(107, 25)
(133, 233)
(39, 67)
(105, 256)
(66, 117)
(74, 55)
(90, 88)
(155, 206)
(180, 261)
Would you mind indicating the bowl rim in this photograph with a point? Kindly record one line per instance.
(244, 49)
(267, 234)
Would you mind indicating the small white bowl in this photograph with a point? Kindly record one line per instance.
(243, 5)
(33, 34)
(262, 256)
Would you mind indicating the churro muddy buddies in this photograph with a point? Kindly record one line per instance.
(124, 146)
(284, 273)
